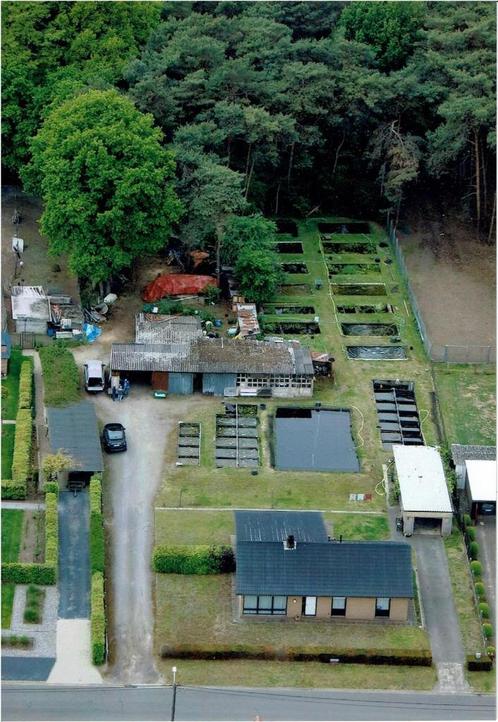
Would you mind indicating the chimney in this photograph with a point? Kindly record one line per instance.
(290, 542)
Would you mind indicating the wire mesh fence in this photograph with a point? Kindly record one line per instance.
(446, 353)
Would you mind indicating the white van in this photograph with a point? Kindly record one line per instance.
(94, 372)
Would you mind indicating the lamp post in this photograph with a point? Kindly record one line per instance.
(173, 701)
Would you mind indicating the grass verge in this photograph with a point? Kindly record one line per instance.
(8, 434)
(12, 524)
(10, 385)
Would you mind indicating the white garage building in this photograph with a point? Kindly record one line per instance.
(424, 498)
(481, 486)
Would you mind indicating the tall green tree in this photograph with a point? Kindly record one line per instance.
(254, 233)
(258, 274)
(106, 181)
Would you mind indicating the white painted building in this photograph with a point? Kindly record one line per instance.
(424, 495)
(481, 485)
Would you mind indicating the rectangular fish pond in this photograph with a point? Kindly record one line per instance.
(376, 353)
(369, 329)
(346, 227)
(350, 247)
(295, 289)
(365, 308)
(280, 310)
(399, 420)
(352, 269)
(289, 247)
(295, 267)
(314, 439)
(291, 327)
(286, 226)
(359, 289)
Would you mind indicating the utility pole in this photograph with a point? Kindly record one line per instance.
(173, 701)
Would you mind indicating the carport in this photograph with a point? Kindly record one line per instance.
(424, 498)
(480, 487)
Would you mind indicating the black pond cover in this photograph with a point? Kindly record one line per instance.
(291, 247)
(314, 440)
(376, 353)
(399, 421)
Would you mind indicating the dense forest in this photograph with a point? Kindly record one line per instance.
(133, 118)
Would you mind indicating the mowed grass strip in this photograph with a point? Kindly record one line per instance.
(354, 527)
(467, 397)
(8, 434)
(249, 673)
(198, 611)
(12, 526)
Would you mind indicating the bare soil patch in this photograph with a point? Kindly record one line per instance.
(453, 276)
(33, 540)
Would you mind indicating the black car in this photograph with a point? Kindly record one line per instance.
(114, 438)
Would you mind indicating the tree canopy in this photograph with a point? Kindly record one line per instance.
(106, 182)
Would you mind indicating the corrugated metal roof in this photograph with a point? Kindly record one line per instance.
(158, 328)
(422, 482)
(481, 474)
(247, 317)
(273, 526)
(74, 429)
(206, 355)
(29, 302)
(347, 569)
(462, 453)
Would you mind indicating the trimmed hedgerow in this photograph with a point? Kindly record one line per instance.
(476, 569)
(97, 616)
(21, 460)
(51, 487)
(11, 490)
(26, 385)
(61, 375)
(97, 541)
(484, 664)
(51, 530)
(470, 533)
(24, 573)
(473, 550)
(193, 559)
(415, 658)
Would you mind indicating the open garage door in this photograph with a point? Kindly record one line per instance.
(427, 526)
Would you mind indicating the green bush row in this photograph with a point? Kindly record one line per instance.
(95, 493)
(473, 549)
(97, 616)
(26, 385)
(470, 533)
(51, 487)
(414, 658)
(476, 569)
(97, 541)
(51, 530)
(24, 573)
(21, 460)
(13, 490)
(484, 664)
(61, 375)
(200, 559)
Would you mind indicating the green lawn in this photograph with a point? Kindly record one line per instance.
(358, 526)
(467, 396)
(8, 433)
(199, 611)
(248, 673)
(10, 385)
(12, 525)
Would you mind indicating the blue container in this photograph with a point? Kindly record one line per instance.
(218, 323)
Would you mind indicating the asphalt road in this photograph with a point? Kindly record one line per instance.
(74, 559)
(23, 702)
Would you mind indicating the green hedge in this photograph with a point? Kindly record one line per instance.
(484, 664)
(487, 630)
(60, 374)
(21, 460)
(97, 541)
(26, 385)
(97, 616)
(480, 591)
(13, 490)
(473, 550)
(51, 530)
(200, 559)
(51, 487)
(467, 520)
(470, 533)
(484, 610)
(24, 573)
(476, 569)
(413, 658)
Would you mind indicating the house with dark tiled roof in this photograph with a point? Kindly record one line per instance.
(287, 566)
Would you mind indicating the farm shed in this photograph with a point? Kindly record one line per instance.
(424, 497)
(480, 486)
(30, 309)
(74, 430)
(247, 319)
(288, 567)
(461, 453)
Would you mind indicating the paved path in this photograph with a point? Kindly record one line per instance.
(74, 562)
(231, 508)
(30, 702)
(25, 505)
(73, 664)
(8, 421)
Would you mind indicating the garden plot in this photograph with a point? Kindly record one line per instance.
(359, 308)
(359, 289)
(237, 440)
(286, 226)
(293, 327)
(369, 329)
(189, 443)
(295, 289)
(284, 310)
(399, 420)
(362, 246)
(344, 228)
(295, 267)
(289, 247)
(376, 353)
(352, 269)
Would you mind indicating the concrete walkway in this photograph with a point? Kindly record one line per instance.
(24, 505)
(8, 421)
(73, 664)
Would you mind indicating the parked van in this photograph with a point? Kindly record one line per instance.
(94, 372)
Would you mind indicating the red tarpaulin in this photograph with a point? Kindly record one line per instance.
(177, 284)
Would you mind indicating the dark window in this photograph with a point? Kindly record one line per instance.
(265, 604)
(382, 606)
(338, 606)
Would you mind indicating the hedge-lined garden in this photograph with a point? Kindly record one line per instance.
(482, 608)
(194, 559)
(97, 565)
(46, 573)
(16, 487)
(61, 375)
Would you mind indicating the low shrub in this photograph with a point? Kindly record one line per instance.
(97, 617)
(200, 559)
(487, 630)
(51, 530)
(26, 385)
(16, 640)
(473, 550)
(25, 573)
(51, 487)
(61, 375)
(413, 658)
(21, 460)
(467, 521)
(491, 652)
(470, 533)
(480, 591)
(13, 490)
(484, 610)
(34, 605)
(484, 664)
(476, 569)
